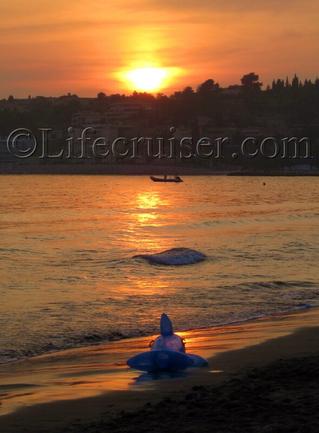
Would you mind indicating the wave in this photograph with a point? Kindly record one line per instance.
(276, 284)
(92, 339)
(174, 257)
(73, 342)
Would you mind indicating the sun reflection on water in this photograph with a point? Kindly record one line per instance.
(147, 219)
(147, 204)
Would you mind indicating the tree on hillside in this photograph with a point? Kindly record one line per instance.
(250, 81)
(208, 86)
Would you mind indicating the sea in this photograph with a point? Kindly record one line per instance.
(68, 276)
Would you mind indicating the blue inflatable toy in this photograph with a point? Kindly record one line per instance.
(167, 353)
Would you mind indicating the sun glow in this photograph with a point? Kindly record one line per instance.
(147, 79)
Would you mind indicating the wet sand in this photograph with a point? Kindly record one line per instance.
(86, 389)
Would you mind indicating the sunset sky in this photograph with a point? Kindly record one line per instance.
(86, 46)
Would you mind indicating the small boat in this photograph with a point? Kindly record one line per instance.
(175, 179)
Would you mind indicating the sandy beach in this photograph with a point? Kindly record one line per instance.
(82, 389)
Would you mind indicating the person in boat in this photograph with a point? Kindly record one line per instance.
(168, 340)
(176, 178)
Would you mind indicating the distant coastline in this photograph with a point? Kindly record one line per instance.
(142, 170)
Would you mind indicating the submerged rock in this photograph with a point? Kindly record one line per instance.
(174, 257)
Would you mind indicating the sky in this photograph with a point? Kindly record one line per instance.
(85, 46)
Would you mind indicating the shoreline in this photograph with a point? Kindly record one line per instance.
(54, 390)
(266, 317)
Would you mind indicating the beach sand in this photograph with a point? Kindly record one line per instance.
(273, 360)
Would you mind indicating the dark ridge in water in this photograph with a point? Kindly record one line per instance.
(274, 285)
(174, 257)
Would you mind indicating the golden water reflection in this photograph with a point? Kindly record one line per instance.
(148, 212)
(148, 285)
(148, 205)
(149, 200)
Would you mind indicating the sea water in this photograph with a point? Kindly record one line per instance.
(68, 277)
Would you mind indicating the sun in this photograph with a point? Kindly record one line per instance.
(148, 79)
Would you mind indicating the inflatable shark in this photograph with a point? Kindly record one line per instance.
(167, 352)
